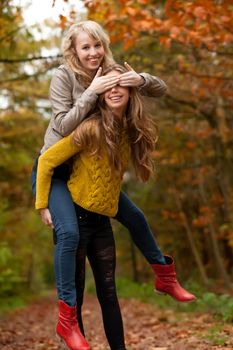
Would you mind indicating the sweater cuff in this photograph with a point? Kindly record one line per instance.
(144, 81)
(41, 205)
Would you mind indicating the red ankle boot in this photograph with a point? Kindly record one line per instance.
(68, 329)
(166, 281)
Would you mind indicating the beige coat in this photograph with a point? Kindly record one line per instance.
(71, 103)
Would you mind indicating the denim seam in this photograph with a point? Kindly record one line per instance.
(60, 268)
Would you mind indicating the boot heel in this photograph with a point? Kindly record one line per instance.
(159, 292)
(61, 342)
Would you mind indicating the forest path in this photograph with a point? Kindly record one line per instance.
(146, 328)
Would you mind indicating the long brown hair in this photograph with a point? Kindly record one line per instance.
(140, 128)
(70, 57)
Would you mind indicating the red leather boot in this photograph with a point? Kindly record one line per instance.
(68, 329)
(166, 281)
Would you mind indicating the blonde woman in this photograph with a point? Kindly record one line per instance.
(74, 91)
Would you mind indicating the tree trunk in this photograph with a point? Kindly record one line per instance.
(191, 240)
(222, 145)
(216, 250)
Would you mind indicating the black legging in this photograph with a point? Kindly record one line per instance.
(97, 243)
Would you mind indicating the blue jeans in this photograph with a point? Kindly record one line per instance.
(130, 216)
(67, 232)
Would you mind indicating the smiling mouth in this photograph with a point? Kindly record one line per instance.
(115, 98)
(93, 59)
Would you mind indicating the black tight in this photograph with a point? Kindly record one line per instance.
(97, 243)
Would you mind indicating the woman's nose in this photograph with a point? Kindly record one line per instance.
(93, 51)
(114, 88)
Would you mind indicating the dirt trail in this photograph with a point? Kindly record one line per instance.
(146, 328)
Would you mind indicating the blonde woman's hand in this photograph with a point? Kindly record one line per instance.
(46, 217)
(101, 84)
(131, 78)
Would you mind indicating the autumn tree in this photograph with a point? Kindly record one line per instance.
(189, 44)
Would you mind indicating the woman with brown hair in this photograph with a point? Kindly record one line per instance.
(100, 148)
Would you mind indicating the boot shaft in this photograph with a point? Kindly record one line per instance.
(68, 329)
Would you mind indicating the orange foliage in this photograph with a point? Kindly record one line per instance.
(200, 22)
(205, 217)
(201, 222)
(63, 21)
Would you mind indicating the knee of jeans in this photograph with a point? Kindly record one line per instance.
(67, 232)
(140, 215)
(136, 217)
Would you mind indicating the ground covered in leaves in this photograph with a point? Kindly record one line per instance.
(146, 328)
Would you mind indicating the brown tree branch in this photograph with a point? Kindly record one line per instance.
(28, 59)
(28, 76)
(205, 76)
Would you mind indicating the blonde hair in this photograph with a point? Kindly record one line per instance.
(141, 130)
(70, 57)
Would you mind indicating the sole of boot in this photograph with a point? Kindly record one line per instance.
(159, 292)
(180, 301)
(62, 342)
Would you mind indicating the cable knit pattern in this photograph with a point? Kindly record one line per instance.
(93, 185)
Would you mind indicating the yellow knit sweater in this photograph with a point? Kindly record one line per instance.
(92, 184)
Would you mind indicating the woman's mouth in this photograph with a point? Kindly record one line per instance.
(115, 98)
(94, 60)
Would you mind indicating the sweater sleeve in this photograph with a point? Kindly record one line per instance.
(67, 115)
(50, 159)
(153, 86)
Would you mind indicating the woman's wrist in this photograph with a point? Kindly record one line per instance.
(142, 82)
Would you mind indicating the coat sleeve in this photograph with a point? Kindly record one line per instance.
(48, 161)
(153, 86)
(67, 114)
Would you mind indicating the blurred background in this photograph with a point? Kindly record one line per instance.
(189, 203)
